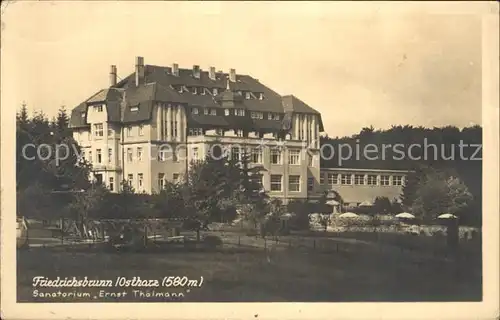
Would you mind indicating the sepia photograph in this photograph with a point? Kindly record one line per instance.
(177, 153)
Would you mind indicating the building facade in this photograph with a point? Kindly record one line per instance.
(361, 186)
(147, 128)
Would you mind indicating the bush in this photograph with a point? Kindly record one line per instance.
(212, 241)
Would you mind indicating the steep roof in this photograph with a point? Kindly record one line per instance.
(160, 85)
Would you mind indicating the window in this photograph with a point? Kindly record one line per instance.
(195, 153)
(176, 178)
(140, 179)
(174, 128)
(239, 133)
(110, 155)
(139, 154)
(333, 179)
(359, 179)
(397, 180)
(257, 115)
(213, 112)
(134, 108)
(215, 91)
(202, 91)
(111, 183)
(276, 116)
(90, 156)
(261, 96)
(98, 154)
(110, 132)
(385, 180)
(98, 108)
(161, 181)
(273, 116)
(247, 95)
(129, 131)
(129, 154)
(205, 111)
(372, 180)
(162, 154)
(219, 132)
(194, 90)
(310, 184)
(83, 154)
(345, 179)
(239, 112)
(276, 182)
(322, 179)
(141, 130)
(256, 155)
(195, 132)
(98, 130)
(194, 110)
(294, 157)
(275, 156)
(83, 114)
(226, 112)
(294, 183)
(235, 153)
(130, 180)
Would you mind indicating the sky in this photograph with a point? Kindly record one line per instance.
(358, 64)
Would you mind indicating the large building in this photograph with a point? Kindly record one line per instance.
(147, 128)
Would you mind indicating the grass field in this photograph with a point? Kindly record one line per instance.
(252, 273)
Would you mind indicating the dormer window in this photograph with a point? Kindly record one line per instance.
(83, 114)
(202, 91)
(239, 92)
(261, 96)
(215, 91)
(194, 111)
(179, 89)
(273, 116)
(247, 95)
(194, 90)
(134, 108)
(205, 111)
(226, 112)
(213, 112)
(98, 108)
(239, 112)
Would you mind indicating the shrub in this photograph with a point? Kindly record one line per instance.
(212, 241)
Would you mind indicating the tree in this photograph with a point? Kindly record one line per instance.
(438, 194)
(88, 205)
(382, 205)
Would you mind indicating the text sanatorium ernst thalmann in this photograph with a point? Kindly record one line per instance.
(170, 281)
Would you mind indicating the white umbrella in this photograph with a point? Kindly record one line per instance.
(405, 215)
(447, 216)
(348, 215)
(332, 202)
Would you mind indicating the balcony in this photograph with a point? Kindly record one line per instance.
(105, 167)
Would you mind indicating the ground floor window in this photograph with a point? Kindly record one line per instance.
(276, 180)
(294, 183)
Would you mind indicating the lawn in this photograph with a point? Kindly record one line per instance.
(257, 274)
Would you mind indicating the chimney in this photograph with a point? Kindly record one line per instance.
(139, 70)
(232, 75)
(196, 72)
(175, 69)
(211, 73)
(112, 76)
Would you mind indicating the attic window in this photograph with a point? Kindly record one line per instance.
(194, 111)
(261, 96)
(213, 112)
(215, 91)
(205, 111)
(226, 112)
(203, 91)
(134, 108)
(247, 95)
(239, 92)
(83, 114)
(194, 90)
(98, 108)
